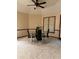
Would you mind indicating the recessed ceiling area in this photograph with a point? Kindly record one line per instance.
(22, 5)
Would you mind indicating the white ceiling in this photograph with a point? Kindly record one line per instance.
(22, 5)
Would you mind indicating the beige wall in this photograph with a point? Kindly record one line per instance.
(35, 20)
(53, 11)
(22, 20)
(30, 21)
(27, 21)
(57, 22)
(22, 23)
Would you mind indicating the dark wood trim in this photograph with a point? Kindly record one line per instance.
(54, 37)
(43, 24)
(21, 29)
(32, 29)
(48, 22)
(60, 28)
(25, 29)
(22, 36)
(54, 23)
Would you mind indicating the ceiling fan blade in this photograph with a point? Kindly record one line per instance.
(30, 5)
(41, 6)
(42, 3)
(33, 1)
(37, 1)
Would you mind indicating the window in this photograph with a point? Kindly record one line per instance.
(49, 24)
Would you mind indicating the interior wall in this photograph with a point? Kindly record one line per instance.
(30, 21)
(57, 22)
(35, 20)
(53, 11)
(22, 23)
(27, 21)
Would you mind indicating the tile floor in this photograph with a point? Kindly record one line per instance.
(49, 48)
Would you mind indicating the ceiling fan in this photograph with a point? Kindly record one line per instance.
(37, 4)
